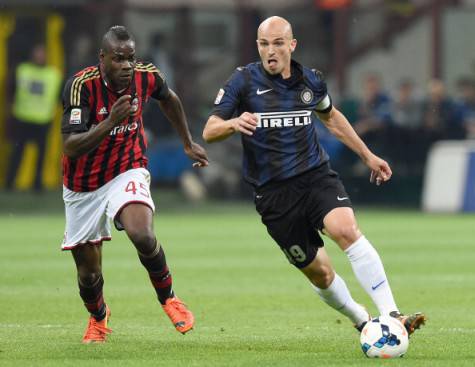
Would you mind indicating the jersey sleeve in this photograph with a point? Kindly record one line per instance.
(160, 89)
(229, 97)
(76, 108)
(324, 101)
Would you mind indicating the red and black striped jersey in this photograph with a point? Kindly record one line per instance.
(87, 101)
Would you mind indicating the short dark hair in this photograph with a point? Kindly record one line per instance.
(116, 33)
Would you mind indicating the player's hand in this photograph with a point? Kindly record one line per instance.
(380, 170)
(197, 153)
(246, 123)
(120, 109)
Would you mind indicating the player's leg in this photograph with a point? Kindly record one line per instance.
(88, 259)
(340, 224)
(131, 206)
(137, 220)
(283, 211)
(332, 289)
(86, 228)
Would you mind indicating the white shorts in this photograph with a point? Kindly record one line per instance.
(89, 214)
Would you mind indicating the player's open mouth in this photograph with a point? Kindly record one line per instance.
(272, 62)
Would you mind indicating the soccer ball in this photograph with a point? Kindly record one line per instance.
(384, 337)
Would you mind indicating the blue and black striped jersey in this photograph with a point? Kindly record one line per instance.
(285, 143)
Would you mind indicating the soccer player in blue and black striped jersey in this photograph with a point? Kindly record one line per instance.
(296, 192)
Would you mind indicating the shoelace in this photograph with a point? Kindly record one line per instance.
(179, 307)
(96, 329)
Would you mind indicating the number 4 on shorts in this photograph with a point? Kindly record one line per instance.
(131, 187)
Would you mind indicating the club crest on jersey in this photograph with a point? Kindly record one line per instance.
(284, 119)
(75, 118)
(306, 96)
(134, 106)
(219, 96)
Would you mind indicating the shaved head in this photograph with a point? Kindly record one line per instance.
(275, 25)
(275, 43)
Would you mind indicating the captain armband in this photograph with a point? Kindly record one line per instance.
(325, 105)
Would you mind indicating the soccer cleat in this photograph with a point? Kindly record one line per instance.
(180, 316)
(363, 324)
(97, 331)
(411, 322)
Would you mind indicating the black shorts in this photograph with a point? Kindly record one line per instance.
(293, 211)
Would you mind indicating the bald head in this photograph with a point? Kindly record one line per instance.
(275, 26)
(275, 43)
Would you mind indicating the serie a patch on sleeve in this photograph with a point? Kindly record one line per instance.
(219, 97)
(75, 118)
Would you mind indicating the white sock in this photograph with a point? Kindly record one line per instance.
(338, 297)
(369, 271)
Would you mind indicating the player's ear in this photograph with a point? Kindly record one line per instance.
(101, 54)
(293, 45)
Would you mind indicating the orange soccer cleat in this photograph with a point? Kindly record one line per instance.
(97, 331)
(180, 316)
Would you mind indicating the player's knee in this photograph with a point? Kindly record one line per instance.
(346, 234)
(88, 278)
(144, 240)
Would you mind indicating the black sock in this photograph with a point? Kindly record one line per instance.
(93, 298)
(160, 276)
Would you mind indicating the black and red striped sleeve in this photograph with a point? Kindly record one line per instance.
(76, 103)
(160, 88)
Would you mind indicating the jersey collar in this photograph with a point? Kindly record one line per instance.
(296, 74)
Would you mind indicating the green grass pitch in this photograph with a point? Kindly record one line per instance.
(251, 307)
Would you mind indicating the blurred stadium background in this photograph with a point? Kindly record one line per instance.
(403, 73)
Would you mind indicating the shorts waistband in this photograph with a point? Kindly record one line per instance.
(271, 185)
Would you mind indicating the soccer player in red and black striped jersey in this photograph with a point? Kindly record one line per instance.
(104, 172)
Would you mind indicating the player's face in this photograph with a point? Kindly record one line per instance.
(118, 63)
(275, 49)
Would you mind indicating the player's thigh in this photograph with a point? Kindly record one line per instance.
(282, 214)
(131, 187)
(86, 220)
(330, 210)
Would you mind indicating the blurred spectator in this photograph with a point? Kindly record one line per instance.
(465, 101)
(407, 109)
(36, 95)
(374, 113)
(159, 127)
(440, 118)
(372, 124)
(407, 115)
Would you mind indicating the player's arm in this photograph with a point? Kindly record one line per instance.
(76, 144)
(339, 126)
(172, 107)
(217, 129)
(221, 124)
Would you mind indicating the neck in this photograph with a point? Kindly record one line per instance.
(287, 72)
